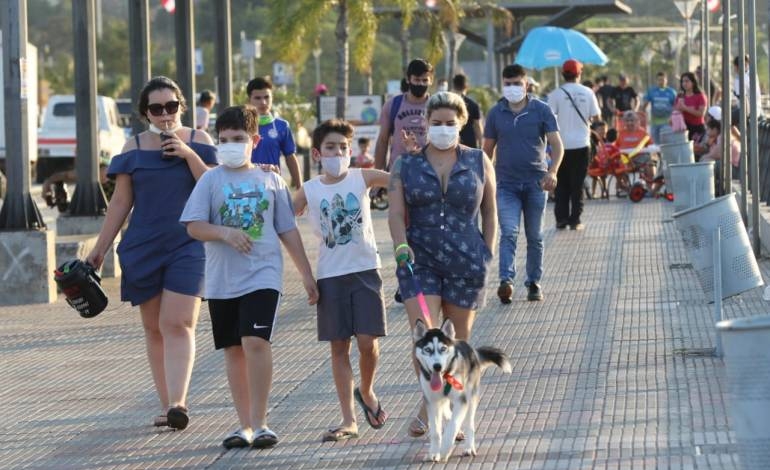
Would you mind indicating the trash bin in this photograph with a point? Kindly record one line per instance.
(670, 154)
(739, 269)
(747, 366)
(668, 136)
(694, 183)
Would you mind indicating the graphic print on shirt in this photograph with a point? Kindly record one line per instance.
(243, 207)
(341, 221)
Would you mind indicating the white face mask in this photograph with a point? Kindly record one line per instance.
(233, 154)
(157, 130)
(443, 137)
(443, 87)
(335, 166)
(514, 93)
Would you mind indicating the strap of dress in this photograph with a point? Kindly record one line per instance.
(192, 136)
(136, 137)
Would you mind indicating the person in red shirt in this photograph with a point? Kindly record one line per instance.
(632, 140)
(692, 103)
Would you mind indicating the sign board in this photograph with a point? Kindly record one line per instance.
(360, 110)
(198, 61)
(370, 132)
(283, 74)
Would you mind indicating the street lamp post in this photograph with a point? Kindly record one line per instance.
(317, 57)
(686, 9)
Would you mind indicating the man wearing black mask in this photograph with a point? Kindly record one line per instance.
(403, 116)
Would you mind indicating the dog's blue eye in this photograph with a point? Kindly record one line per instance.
(443, 349)
(428, 350)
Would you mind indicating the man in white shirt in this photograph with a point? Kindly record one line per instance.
(736, 91)
(575, 107)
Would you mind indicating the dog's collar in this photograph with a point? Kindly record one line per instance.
(451, 382)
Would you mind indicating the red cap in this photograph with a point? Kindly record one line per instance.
(572, 66)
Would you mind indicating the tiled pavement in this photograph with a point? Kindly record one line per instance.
(602, 375)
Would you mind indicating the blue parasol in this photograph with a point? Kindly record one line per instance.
(549, 46)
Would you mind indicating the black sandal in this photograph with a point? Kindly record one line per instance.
(177, 417)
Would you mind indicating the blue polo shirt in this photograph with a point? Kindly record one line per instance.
(275, 139)
(521, 140)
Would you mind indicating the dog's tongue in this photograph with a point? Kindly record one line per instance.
(435, 381)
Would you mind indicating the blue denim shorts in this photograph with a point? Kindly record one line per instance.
(465, 292)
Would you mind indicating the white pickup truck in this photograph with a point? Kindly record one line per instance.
(57, 135)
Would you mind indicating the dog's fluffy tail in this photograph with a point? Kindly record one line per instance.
(489, 355)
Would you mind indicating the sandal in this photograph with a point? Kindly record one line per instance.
(417, 428)
(177, 417)
(338, 434)
(160, 421)
(264, 438)
(237, 439)
(368, 413)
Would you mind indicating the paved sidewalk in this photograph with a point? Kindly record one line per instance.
(602, 378)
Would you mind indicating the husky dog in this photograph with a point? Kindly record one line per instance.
(450, 372)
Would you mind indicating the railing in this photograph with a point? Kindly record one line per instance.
(764, 160)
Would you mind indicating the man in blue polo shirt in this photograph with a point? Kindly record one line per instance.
(519, 127)
(661, 99)
(276, 137)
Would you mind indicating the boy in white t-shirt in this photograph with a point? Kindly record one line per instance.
(244, 214)
(349, 283)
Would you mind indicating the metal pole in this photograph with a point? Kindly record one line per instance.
(224, 54)
(491, 55)
(703, 41)
(19, 211)
(88, 198)
(139, 56)
(726, 119)
(185, 56)
(705, 65)
(746, 162)
(716, 239)
(753, 131)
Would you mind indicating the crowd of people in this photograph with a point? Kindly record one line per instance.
(208, 221)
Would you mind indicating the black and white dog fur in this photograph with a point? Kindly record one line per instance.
(450, 373)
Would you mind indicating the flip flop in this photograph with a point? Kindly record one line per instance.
(338, 434)
(368, 411)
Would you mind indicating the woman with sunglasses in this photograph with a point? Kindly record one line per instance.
(162, 266)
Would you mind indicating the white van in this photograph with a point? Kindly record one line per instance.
(57, 134)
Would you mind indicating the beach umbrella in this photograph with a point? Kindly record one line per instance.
(550, 46)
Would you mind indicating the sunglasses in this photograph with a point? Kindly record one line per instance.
(156, 109)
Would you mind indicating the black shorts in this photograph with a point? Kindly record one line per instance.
(251, 314)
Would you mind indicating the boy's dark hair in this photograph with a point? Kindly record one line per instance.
(588, 83)
(418, 67)
(404, 85)
(206, 97)
(338, 126)
(598, 124)
(259, 83)
(363, 141)
(612, 135)
(714, 124)
(737, 60)
(239, 118)
(660, 74)
(513, 71)
(460, 82)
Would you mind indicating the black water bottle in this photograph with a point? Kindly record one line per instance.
(164, 137)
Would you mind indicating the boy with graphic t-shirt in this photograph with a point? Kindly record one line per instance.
(241, 212)
(349, 281)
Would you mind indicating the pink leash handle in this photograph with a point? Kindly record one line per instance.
(416, 284)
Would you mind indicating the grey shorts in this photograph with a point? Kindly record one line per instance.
(349, 305)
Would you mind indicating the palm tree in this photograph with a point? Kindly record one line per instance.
(297, 23)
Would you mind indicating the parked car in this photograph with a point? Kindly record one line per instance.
(57, 135)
